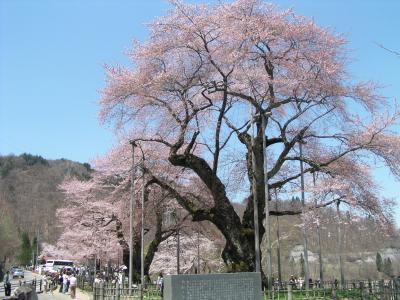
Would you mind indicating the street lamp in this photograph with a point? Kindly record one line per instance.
(255, 200)
(198, 249)
(131, 215)
(321, 272)
(178, 240)
(142, 232)
(305, 242)
(266, 191)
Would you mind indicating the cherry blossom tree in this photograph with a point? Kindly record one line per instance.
(95, 215)
(185, 101)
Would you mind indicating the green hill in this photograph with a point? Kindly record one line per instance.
(29, 198)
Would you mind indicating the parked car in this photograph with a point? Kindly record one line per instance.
(17, 273)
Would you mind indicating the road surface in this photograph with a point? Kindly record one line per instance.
(29, 276)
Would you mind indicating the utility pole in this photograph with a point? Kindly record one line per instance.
(303, 206)
(321, 269)
(131, 216)
(255, 200)
(278, 238)
(339, 244)
(198, 249)
(142, 235)
(37, 247)
(178, 245)
(267, 221)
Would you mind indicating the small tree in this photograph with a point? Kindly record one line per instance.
(25, 250)
(379, 262)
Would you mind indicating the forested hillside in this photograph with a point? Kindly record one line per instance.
(363, 242)
(29, 197)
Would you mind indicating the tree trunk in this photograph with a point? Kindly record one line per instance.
(153, 246)
(238, 253)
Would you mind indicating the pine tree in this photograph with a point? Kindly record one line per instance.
(35, 248)
(379, 263)
(24, 257)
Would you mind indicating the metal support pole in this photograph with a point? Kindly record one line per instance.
(198, 250)
(255, 200)
(131, 216)
(321, 269)
(278, 239)
(37, 247)
(339, 245)
(267, 221)
(178, 250)
(142, 237)
(305, 241)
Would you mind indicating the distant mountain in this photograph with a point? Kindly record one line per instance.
(29, 196)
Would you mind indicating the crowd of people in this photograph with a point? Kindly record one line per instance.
(65, 279)
(298, 283)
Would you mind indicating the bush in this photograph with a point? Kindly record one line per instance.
(6, 166)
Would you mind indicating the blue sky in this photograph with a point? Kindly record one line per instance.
(52, 54)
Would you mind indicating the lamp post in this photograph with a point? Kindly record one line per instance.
(278, 241)
(267, 222)
(305, 242)
(339, 244)
(131, 215)
(178, 240)
(321, 269)
(255, 200)
(37, 248)
(198, 249)
(142, 234)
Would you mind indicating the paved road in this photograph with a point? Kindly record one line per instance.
(29, 276)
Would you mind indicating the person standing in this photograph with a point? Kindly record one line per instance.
(160, 283)
(65, 283)
(7, 284)
(72, 285)
(60, 280)
(45, 283)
